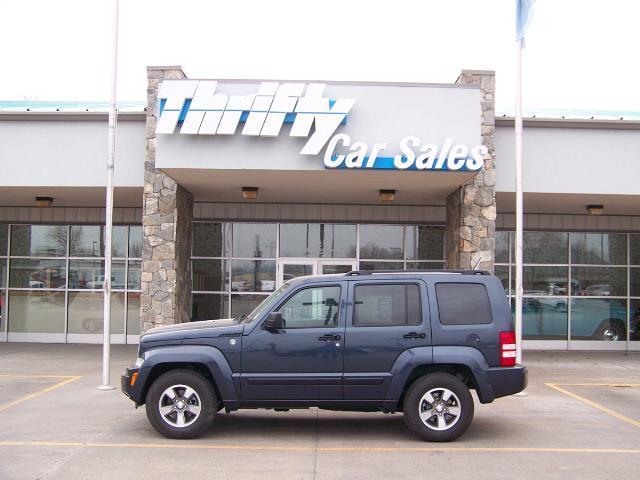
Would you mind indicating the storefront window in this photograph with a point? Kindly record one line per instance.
(244, 304)
(133, 313)
(35, 283)
(39, 240)
(209, 275)
(599, 248)
(317, 240)
(4, 234)
(86, 312)
(381, 265)
(545, 281)
(634, 249)
(37, 273)
(425, 242)
(634, 319)
(135, 242)
(545, 247)
(254, 240)
(502, 247)
(381, 242)
(207, 306)
(253, 275)
(3, 272)
(544, 318)
(502, 272)
(424, 266)
(36, 311)
(208, 239)
(599, 281)
(598, 319)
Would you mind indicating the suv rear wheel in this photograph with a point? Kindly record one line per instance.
(438, 407)
(181, 404)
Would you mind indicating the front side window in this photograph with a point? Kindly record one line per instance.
(463, 304)
(386, 305)
(316, 307)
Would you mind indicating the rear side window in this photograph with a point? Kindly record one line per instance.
(463, 303)
(387, 305)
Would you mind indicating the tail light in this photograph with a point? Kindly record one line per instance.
(507, 349)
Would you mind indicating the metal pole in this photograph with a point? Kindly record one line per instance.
(519, 201)
(111, 153)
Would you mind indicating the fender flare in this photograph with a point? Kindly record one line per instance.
(415, 357)
(210, 357)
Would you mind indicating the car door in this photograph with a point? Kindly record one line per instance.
(303, 360)
(387, 317)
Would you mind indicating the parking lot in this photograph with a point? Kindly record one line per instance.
(580, 418)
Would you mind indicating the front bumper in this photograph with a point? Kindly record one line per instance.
(507, 380)
(132, 391)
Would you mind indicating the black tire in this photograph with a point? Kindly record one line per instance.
(454, 425)
(205, 397)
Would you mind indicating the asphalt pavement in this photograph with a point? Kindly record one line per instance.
(579, 418)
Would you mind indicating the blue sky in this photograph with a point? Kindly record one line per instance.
(581, 54)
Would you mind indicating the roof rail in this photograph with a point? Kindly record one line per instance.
(355, 273)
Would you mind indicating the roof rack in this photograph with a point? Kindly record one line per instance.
(355, 273)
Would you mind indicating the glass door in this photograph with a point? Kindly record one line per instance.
(335, 266)
(290, 269)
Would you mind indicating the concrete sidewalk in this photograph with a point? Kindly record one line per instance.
(579, 419)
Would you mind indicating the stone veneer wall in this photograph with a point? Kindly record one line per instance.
(166, 218)
(471, 209)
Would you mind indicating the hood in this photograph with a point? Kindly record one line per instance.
(204, 328)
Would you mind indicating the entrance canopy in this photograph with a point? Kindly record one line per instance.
(306, 142)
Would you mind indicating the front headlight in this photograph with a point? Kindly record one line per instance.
(139, 362)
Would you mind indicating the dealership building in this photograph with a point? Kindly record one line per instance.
(226, 189)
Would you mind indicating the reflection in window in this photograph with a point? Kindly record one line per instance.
(425, 265)
(599, 248)
(209, 306)
(36, 311)
(133, 278)
(39, 240)
(425, 242)
(244, 304)
(86, 312)
(381, 265)
(598, 319)
(502, 272)
(312, 308)
(317, 240)
(381, 241)
(135, 242)
(545, 247)
(3, 272)
(544, 318)
(253, 275)
(208, 239)
(209, 275)
(37, 273)
(502, 247)
(634, 320)
(133, 313)
(4, 233)
(86, 241)
(545, 281)
(386, 305)
(599, 281)
(90, 274)
(251, 240)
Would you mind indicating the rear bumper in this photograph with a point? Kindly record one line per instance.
(507, 380)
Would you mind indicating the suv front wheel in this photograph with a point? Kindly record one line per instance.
(181, 404)
(438, 407)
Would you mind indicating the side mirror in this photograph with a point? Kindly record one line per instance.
(274, 322)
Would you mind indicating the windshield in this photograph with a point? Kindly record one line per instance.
(265, 304)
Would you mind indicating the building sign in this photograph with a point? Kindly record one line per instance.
(199, 109)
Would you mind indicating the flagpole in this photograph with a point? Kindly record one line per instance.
(519, 201)
(111, 153)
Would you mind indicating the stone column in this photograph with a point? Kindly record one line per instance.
(471, 209)
(166, 218)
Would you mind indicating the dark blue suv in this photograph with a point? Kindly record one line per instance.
(415, 342)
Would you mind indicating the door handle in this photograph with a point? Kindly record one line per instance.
(329, 338)
(414, 335)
